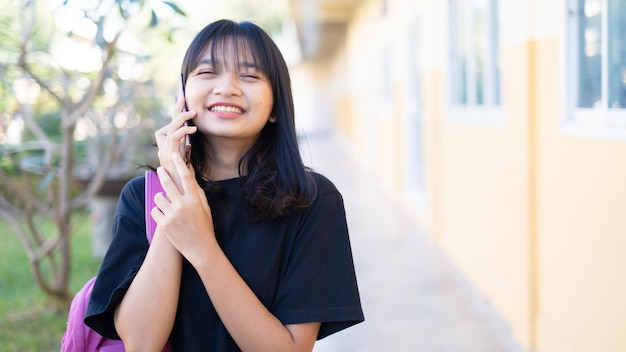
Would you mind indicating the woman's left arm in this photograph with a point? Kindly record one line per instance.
(249, 322)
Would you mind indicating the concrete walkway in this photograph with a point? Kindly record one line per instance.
(413, 299)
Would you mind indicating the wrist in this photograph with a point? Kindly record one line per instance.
(206, 257)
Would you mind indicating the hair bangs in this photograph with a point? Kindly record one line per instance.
(237, 45)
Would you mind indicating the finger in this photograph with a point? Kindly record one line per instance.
(180, 132)
(180, 115)
(185, 173)
(179, 106)
(161, 206)
(157, 215)
(168, 185)
(202, 195)
(160, 135)
(169, 137)
(162, 202)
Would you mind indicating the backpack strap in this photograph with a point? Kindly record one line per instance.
(152, 187)
(78, 336)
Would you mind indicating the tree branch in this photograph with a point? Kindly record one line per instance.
(24, 194)
(100, 175)
(96, 85)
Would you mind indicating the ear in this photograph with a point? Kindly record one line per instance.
(272, 119)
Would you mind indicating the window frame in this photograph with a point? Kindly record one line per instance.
(490, 112)
(415, 170)
(598, 122)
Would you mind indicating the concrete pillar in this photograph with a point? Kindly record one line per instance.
(102, 211)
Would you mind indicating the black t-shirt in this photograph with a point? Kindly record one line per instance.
(300, 266)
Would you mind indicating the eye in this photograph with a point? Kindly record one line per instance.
(250, 75)
(204, 70)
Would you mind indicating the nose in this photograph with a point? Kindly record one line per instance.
(227, 85)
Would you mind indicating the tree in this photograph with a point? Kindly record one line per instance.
(66, 108)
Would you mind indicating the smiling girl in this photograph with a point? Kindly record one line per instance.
(251, 250)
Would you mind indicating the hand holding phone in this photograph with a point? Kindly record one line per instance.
(187, 148)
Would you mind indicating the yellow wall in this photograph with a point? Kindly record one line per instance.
(534, 217)
(484, 199)
(484, 213)
(581, 222)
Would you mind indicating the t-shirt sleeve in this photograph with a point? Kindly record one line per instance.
(122, 260)
(320, 282)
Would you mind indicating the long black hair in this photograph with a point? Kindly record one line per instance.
(276, 183)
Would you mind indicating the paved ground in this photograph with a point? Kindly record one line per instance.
(413, 299)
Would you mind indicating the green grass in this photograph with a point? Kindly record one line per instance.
(29, 319)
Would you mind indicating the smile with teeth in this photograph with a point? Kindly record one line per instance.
(227, 109)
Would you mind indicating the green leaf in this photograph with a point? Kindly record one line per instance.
(45, 182)
(122, 11)
(154, 20)
(175, 8)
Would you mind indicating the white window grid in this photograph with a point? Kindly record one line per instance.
(601, 121)
(488, 111)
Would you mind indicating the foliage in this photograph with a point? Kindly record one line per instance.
(28, 322)
(82, 92)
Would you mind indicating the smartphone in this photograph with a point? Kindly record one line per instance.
(187, 147)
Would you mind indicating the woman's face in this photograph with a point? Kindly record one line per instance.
(232, 98)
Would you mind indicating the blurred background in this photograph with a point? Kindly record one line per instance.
(480, 146)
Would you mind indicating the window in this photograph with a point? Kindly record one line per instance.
(474, 53)
(414, 162)
(597, 75)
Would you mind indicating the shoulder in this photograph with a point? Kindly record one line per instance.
(323, 184)
(134, 188)
(136, 183)
(132, 195)
(325, 191)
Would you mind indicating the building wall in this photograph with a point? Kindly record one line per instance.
(532, 215)
(581, 201)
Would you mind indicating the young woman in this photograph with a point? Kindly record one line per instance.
(251, 250)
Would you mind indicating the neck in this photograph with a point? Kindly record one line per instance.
(225, 157)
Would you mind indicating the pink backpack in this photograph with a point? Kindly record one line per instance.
(80, 337)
